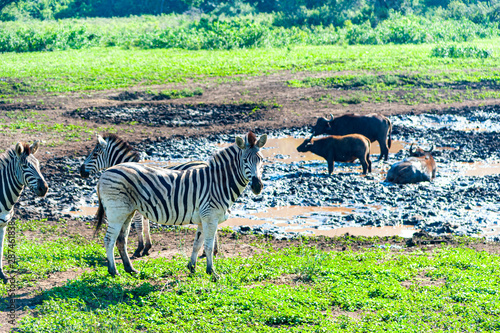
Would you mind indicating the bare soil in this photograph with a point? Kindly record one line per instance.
(279, 106)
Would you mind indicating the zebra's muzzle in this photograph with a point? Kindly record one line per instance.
(84, 173)
(256, 185)
(41, 188)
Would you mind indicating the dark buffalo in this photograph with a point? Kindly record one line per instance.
(419, 167)
(337, 148)
(374, 126)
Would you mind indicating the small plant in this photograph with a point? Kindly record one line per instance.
(457, 51)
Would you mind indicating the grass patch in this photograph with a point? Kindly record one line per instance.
(110, 68)
(294, 289)
(32, 122)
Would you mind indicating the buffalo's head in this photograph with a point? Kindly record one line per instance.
(322, 125)
(419, 152)
(305, 146)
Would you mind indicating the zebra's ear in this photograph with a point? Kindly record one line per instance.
(101, 141)
(240, 142)
(19, 149)
(34, 147)
(262, 141)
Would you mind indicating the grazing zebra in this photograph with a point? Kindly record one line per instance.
(112, 150)
(199, 196)
(18, 167)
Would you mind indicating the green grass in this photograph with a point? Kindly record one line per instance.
(32, 122)
(95, 69)
(299, 288)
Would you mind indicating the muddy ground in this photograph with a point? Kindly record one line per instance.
(457, 202)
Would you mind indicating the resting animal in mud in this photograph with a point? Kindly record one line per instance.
(374, 126)
(18, 168)
(419, 167)
(112, 150)
(200, 196)
(336, 148)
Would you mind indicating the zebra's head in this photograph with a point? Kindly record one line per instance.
(29, 168)
(96, 160)
(109, 151)
(252, 159)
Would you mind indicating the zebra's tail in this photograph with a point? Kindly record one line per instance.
(99, 216)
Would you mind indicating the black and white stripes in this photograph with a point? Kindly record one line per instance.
(199, 196)
(18, 167)
(112, 150)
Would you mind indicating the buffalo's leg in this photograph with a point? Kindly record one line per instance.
(384, 151)
(331, 165)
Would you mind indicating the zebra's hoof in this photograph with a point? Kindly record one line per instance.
(136, 255)
(191, 267)
(145, 253)
(133, 271)
(215, 277)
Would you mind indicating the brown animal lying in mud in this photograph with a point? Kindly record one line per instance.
(374, 126)
(419, 167)
(337, 148)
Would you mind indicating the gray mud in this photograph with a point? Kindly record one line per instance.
(454, 203)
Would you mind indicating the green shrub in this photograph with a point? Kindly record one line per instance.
(456, 51)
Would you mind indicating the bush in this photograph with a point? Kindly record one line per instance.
(455, 51)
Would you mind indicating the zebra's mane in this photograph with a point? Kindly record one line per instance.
(110, 137)
(217, 155)
(10, 153)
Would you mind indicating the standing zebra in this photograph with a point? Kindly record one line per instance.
(199, 196)
(18, 167)
(112, 150)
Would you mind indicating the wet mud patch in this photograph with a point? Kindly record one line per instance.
(300, 198)
(172, 115)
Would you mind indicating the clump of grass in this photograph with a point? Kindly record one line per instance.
(460, 51)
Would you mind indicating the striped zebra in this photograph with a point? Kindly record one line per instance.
(111, 150)
(199, 196)
(18, 167)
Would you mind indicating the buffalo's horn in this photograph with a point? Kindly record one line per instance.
(411, 149)
(331, 117)
(430, 150)
(312, 136)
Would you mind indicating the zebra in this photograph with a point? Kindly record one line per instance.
(18, 167)
(200, 196)
(111, 150)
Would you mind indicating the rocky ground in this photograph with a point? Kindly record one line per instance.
(455, 203)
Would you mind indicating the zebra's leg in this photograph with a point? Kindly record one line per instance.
(138, 228)
(112, 233)
(209, 230)
(216, 247)
(121, 244)
(147, 237)
(198, 241)
(2, 238)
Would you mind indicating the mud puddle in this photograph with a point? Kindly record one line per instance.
(464, 199)
(481, 169)
(285, 149)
